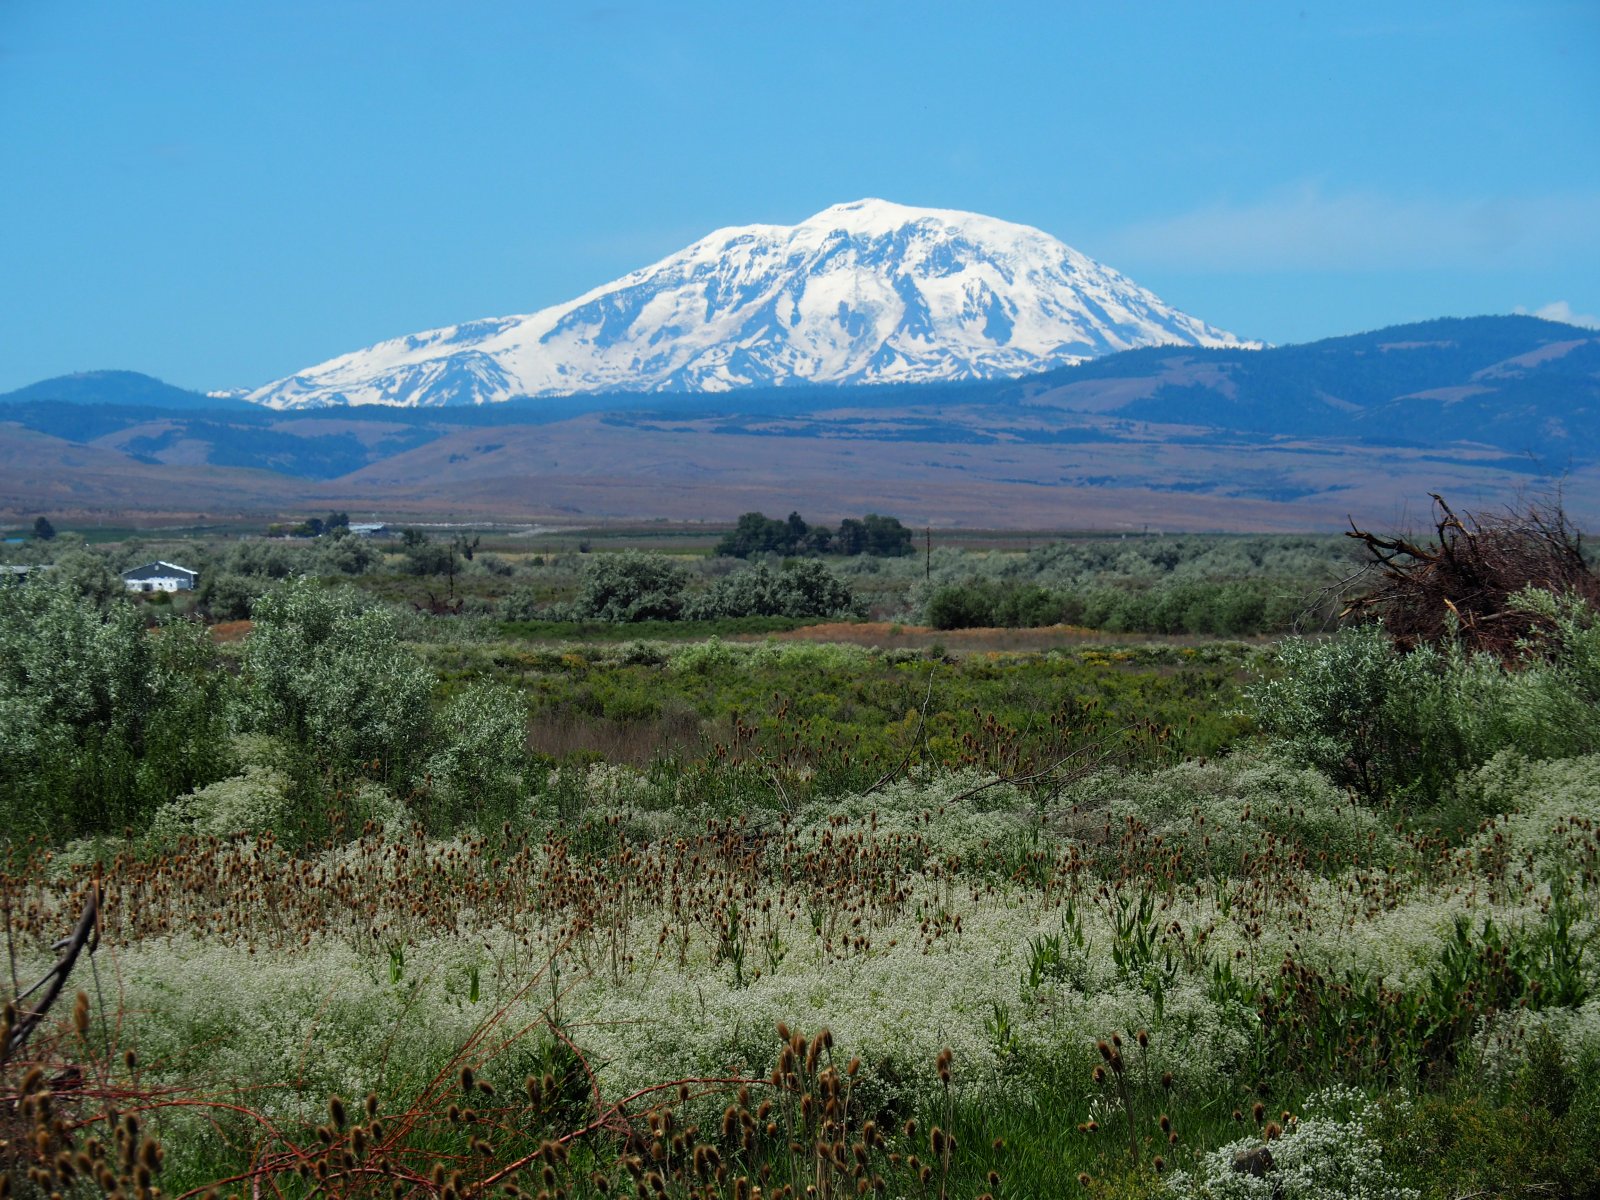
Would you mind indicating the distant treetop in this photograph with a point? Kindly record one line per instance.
(757, 533)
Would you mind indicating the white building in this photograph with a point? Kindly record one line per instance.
(160, 577)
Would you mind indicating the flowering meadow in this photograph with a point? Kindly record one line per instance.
(389, 913)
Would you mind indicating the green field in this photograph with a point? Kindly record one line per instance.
(539, 903)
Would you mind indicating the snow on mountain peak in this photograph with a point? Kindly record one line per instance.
(864, 292)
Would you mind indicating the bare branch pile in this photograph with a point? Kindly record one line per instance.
(1458, 585)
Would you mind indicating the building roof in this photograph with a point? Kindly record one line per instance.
(158, 569)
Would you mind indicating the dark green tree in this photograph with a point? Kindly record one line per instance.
(886, 537)
(42, 529)
(851, 538)
(755, 533)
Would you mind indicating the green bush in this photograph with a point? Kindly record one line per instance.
(482, 736)
(521, 604)
(225, 596)
(88, 574)
(344, 553)
(101, 719)
(630, 586)
(331, 676)
(803, 588)
(1388, 723)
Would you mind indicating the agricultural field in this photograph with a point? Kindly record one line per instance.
(1100, 867)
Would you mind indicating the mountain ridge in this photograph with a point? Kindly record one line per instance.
(1287, 437)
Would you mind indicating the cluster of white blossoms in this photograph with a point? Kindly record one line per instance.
(1328, 1153)
(896, 950)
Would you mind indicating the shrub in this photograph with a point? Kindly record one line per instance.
(101, 719)
(482, 733)
(224, 596)
(630, 586)
(344, 553)
(253, 802)
(1329, 1152)
(331, 676)
(1331, 706)
(89, 575)
(521, 604)
(804, 588)
(1386, 722)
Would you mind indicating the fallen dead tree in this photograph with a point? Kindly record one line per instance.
(1458, 585)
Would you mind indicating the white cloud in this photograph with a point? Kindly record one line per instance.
(1307, 227)
(1560, 310)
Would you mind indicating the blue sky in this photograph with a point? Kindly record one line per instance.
(221, 194)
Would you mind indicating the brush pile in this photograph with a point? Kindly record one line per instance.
(1458, 585)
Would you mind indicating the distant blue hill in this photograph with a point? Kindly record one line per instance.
(1518, 386)
(123, 388)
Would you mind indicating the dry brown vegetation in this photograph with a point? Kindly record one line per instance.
(1459, 584)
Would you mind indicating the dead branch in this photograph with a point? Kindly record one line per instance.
(1457, 586)
(87, 934)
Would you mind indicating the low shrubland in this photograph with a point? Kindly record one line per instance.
(1305, 921)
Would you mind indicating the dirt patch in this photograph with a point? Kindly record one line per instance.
(229, 631)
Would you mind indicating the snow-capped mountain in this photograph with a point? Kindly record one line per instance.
(869, 292)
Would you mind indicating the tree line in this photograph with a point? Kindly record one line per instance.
(756, 533)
